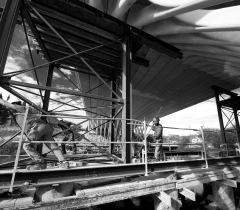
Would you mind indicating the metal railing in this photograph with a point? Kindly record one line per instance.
(106, 135)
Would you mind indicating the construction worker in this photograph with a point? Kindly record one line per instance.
(36, 130)
(157, 138)
(68, 136)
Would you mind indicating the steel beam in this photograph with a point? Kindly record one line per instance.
(7, 25)
(113, 110)
(46, 98)
(30, 53)
(222, 90)
(82, 71)
(67, 103)
(52, 176)
(237, 124)
(69, 46)
(220, 117)
(12, 82)
(107, 23)
(127, 97)
(34, 30)
(48, 84)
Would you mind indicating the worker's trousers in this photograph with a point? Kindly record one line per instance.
(159, 153)
(41, 131)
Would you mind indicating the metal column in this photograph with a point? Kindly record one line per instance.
(113, 111)
(237, 125)
(48, 84)
(220, 117)
(126, 95)
(46, 98)
(7, 25)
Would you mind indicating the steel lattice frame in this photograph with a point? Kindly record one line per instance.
(35, 15)
(228, 107)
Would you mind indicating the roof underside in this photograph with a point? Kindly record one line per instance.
(207, 33)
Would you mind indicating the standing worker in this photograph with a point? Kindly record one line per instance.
(157, 138)
(36, 130)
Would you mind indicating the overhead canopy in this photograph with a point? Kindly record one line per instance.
(206, 32)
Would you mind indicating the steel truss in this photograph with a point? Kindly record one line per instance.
(113, 41)
(228, 106)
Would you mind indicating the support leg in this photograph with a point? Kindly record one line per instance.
(167, 200)
(223, 196)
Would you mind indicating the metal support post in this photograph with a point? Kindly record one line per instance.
(48, 84)
(46, 98)
(126, 96)
(237, 125)
(30, 53)
(145, 147)
(220, 117)
(204, 147)
(18, 150)
(7, 25)
(114, 88)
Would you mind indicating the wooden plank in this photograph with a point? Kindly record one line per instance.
(229, 182)
(111, 193)
(188, 194)
(125, 187)
(75, 202)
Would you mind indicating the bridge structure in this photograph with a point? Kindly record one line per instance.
(110, 63)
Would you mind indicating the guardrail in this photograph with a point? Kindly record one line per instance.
(105, 132)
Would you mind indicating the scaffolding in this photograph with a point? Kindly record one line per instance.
(95, 52)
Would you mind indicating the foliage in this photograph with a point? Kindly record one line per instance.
(212, 137)
(172, 138)
(183, 141)
(9, 149)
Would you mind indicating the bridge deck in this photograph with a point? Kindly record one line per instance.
(121, 189)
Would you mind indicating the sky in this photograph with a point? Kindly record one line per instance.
(202, 114)
(19, 58)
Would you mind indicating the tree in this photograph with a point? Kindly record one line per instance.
(212, 137)
(172, 138)
(183, 141)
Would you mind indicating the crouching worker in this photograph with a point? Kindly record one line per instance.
(137, 148)
(36, 130)
(157, 138)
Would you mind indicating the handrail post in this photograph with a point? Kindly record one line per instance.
(19, 149)
(204, 147)
(145, 146)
